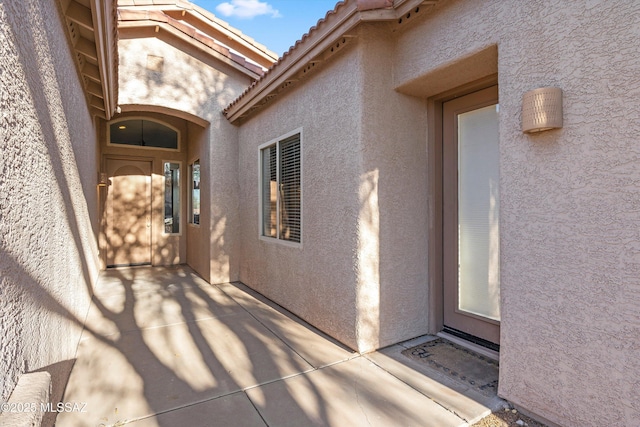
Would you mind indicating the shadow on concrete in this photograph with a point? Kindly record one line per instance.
(161, 339)
(59, 372)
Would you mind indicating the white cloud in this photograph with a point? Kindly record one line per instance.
(247, 9)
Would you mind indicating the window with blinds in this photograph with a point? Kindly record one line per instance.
(281, 189)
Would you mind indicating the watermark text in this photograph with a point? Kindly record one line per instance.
(23, 407)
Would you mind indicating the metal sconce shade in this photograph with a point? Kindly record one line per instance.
(103, 181)
(542, 109)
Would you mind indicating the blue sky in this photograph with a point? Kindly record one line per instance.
(276, 24)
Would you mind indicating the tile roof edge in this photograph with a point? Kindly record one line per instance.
(286, 62)
(130, 15)
(206, 17)
(236, 32)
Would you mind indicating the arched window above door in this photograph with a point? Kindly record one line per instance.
(139, 132)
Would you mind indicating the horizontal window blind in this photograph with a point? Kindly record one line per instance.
(281, 190)
(290, 189)
(269, 191)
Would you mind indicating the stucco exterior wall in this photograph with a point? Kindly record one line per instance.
(361, 274)
(191, 82)
(198, 255)
(394, 160)
(48, 197)
(224, 223)
(318, 280)
(570, 331)
(155, 72)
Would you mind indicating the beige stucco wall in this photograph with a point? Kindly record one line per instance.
(569, 291)
(361, 273)
(569, 197)
(202, 87)
(198, 255)
(394, 162)
(318, 280)
(48, 198)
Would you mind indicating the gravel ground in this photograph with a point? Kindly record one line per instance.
(507, 418)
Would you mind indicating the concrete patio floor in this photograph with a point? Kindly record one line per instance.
(161, 347)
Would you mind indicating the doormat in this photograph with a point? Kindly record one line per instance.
(474, 369)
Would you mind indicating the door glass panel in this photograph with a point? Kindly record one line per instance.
(478, 210)
(171, 198)
(194, 214)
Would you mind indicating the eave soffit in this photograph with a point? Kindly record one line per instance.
(91, 28)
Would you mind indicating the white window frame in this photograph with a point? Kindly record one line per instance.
(276, 142)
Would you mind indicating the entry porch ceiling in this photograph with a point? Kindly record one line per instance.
(92, 29)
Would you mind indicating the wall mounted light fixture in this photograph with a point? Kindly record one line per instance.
(542, 109)
(103, 180)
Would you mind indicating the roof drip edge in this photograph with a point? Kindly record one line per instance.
(336, 24)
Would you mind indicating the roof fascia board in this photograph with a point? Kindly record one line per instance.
(229, 31)
(265, 87)
(252, 50)
(160, 27)
(378, 15)
(210, 25)
(103, 16)
(295, 61)
(129, 18)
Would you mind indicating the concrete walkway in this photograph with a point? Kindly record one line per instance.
(161, 347)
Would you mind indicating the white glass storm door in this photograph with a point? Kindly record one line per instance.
(471, 206)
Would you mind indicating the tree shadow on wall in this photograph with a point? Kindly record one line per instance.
(53, 253)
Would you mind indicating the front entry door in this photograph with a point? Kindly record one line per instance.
(471, 205)
(128, 213)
